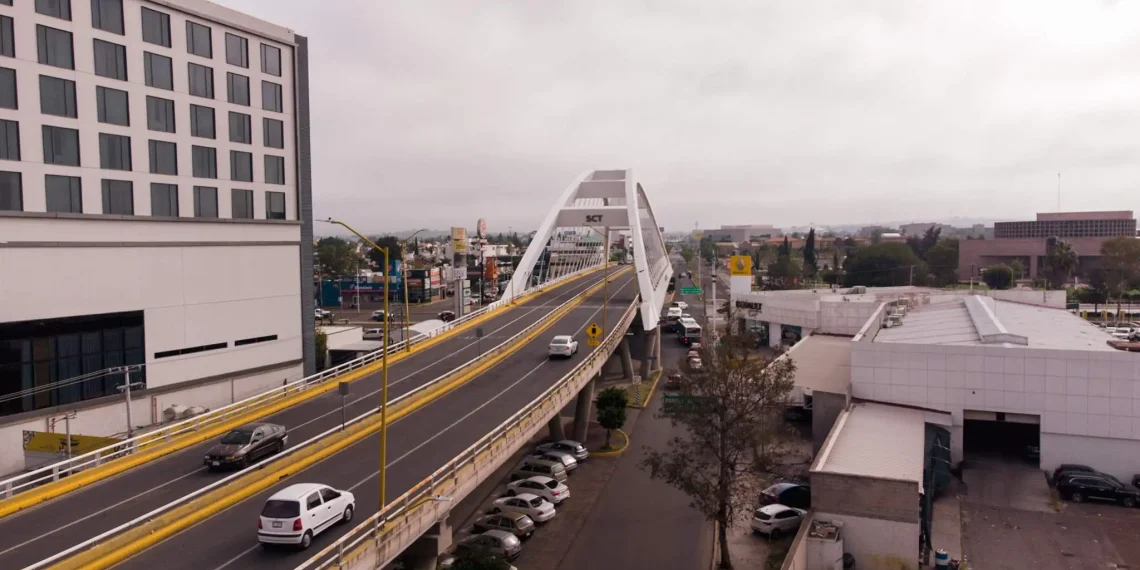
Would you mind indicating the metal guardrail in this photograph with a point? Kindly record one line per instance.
(383, 536)
(53, 472)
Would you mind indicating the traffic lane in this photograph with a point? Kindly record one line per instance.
(417, 445)
(38, 533)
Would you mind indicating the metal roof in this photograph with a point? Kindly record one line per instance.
(823, 363)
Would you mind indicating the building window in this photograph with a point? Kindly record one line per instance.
(242, 204)
(240, 128)
(202, 122)
(55, 8)
(201, 80)
(114, 152)
(271, 60)
(64, 194)
(9, 140)
(57, 97)
(159, 114)
(159, 71)
(118, 197)
(55, 47)
(241, 166)
(110, 60)
(274, 133)
(274, 169)
(8, 98)
(237, 89)
(107, 15)
(198, 40)
(61, 146)
(7, 37)
(271, 96)
(11, 191)
(205, 202)
(113, 106)
(156, 27)
(275, 205)
(163, 158)
(164, 200)
(205, 161)
(237, 50)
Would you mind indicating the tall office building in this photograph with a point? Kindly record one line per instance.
(155, 209)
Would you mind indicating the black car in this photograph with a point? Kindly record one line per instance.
(447, 316)
(247, 444)
(795, 495)
(1070, 469)
(1077, 487)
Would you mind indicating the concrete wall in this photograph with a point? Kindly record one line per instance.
(864, 497)
(838, 317)
(826, 407)
(1117, 457)
(877, 544)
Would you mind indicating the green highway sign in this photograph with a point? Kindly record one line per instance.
(690, 290)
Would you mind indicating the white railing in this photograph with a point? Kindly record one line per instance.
(499, 349)
(53, 472)
(384, 535)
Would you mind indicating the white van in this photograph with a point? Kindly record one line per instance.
(297, 513)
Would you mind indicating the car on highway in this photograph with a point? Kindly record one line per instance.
(297, 513)
(544, 487)
(378, 315)
(499, 542)
(246, 444)
(321, 313)
(530, 467)
(563, 345)
(373, 334)
(680, 305)
(446, 316)
(775, 520)
(570, 446)
(1080, 487)
(793, 495)
(538, 509)
(517, 524)
(568, 460)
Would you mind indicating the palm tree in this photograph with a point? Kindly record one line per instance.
(1062, 261)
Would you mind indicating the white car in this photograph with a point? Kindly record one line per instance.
(373, 334)
(378, 315)
(695, 363)
(563, 345)
(774, 520)
(321, 313)
(538, 509)
(570, 446)
(545, 487)
(680, 305)
(297, 513)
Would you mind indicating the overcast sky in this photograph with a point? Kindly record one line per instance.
(434, 113)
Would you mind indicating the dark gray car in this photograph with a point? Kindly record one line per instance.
(247, 444)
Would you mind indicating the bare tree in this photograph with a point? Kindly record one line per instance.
(731, 411)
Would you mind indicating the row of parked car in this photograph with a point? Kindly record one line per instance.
(535, 487)
(1080, 483)
(783, 507)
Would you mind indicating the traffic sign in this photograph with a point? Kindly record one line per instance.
(690, 290)
(594, 331)
(593, 342)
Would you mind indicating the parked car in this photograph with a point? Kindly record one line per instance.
(563, 345)
(498, 542)
(517, 524)
(297, 513)
(793, 495)
(538, 509)
(1069, 469)
(775, 520)
(446, 316)
(544, 487)
(1078, 487)
(246, 444)
(378, 315)
(568, 460)
(531, 467)
(321, 313)
(695, 363)
(570, 446)
(673, 380)
(373, 334)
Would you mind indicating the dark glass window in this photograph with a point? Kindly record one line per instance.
(163, 157)
(198, 40)
(107, 15)
(242, 204)
(11, 192)
(275, 205)
(237, 50)
(274, 133)
(156, 27)
(55, 47)
(241, 166)
(114, 152)
(9, 140)
(271, 96)
(240, 128)
(7, 37)
(57, 97)
(110, 60)
(202, 122)
(237, 89)
(205, 202)
(64, 193)
(8, 97)
(113, 106)
(271, 60)
(201, 80)
(164, 200)
(61, 146)
(274, 169)
(159, 114)
(205, 161)
(55, 8)
(118, 197)
(159, 71)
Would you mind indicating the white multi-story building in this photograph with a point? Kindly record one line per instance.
(155, 209)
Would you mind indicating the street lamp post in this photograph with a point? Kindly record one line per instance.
(404, 278)
(384, 370)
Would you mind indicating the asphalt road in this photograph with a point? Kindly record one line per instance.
(417, 445)
(37, 533)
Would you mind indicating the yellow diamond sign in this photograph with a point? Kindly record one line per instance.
(594, 331)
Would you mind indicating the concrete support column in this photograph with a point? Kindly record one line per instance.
(626, 360)
(775, 335)
(582, 411)
(424, 553)
(557, 430)
(650, 350)
(657, 349)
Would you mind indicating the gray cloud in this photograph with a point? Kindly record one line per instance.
(434, 113)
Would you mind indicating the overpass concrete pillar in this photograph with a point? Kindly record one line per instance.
(582, 411)
(626, 360)
(424, 553)
(775, 335)
(557, 429)
(657, 348)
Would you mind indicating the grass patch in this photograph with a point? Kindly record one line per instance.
(777, 553)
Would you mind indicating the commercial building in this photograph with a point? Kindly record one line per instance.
(738, 234)
(155, 210)
(1026, 241)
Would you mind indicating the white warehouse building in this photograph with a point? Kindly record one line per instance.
(155, 210)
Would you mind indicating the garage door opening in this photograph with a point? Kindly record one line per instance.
(1001, 436)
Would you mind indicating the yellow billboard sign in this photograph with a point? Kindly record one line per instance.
(45, 442)
(459, 239)
(740, 265)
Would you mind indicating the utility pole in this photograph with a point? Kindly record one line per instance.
(912, 276)
(126, 390)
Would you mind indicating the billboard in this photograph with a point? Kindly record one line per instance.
(459, 240)
(481, 227)
(740, 265)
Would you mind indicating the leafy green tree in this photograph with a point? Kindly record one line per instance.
(785, 248)
(321, 346)
(1061, 260)
(942, 262)
(809, 253)
(687, 253)
(884, 265)
(611, 404)
(708, 249)
(1120, 259)
(336, 256)
(1017, 267)
(395, 251)
(783, 273)
(998, 276)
